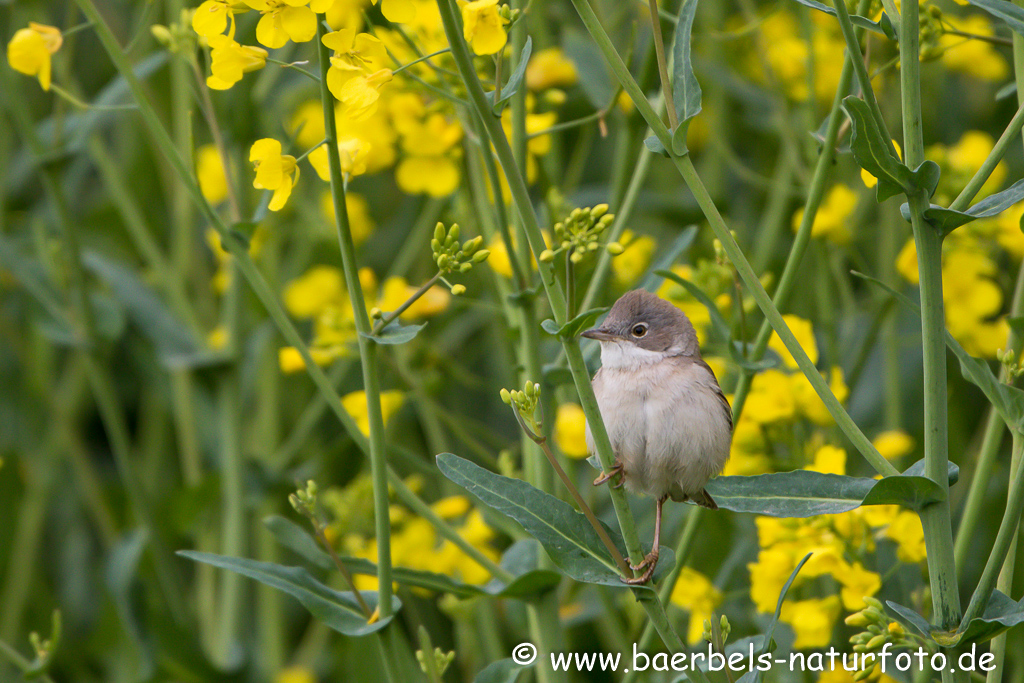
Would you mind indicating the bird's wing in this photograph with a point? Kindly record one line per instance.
(718, 392)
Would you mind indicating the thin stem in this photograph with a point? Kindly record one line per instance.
(1006, 535)
(659, 52)
(318, 530)
(990, 163)
(424, 58)
(367, 347)
(295, 66)
(568, 125)
(210, 115)
(387, 319)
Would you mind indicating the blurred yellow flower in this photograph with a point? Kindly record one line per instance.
(770, 398)
(398, 11)
(307, 295)
(810, 404)
(30, 50)
(274, 171)
(893, 444)
(857, 583)
(908, 533)
(355, 405)
(346, 14)
(812, 620)
(977, 58)
(483, 27)
(359, 220)
(451, 507)
(768, 575)
(695, 593)
(396, 291)
(870, 180)
(229, 61)
(357, 71)
(213, 182)
(431, 165)
(289, 360)
(833, 218)
(829, 460)
(285, 20)
(804, 333)
(295, 674)
(570, 430)
(550, 68)
(632, 263)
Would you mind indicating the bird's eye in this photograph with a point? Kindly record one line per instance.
(640, 330)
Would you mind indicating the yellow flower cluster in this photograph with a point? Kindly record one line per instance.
(832, 221)
(320, 295)
(840, 545)
(713, 279)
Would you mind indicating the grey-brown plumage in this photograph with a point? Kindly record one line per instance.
(668, 421)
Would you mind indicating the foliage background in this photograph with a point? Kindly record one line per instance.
(222, 424)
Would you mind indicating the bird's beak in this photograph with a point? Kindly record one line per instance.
(600, 334)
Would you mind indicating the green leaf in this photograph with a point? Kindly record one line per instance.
(174, 344)
(910, 618)
(1001, 614)
(769, 641)
(874, 152)
(802, 493)
(572, 328)
(501, 671)
(395, 333)
(1007, 400)
(567, 536)
(855, 19)
(719, 323)
(515, 80)
(686, 95)
(1008, 12)
(654, 144)
(334, 609)
(947, 220)
(595, 80)
(121, 577)
(520, 560)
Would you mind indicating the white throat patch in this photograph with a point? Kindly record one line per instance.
(627, 355)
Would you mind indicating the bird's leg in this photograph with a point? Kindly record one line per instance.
(615, 472)
(651, 559)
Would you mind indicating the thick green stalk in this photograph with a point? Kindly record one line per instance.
(1005, 581)
(935, 518)
(1005, 537)
(367, 347)
(234, 530)
(685, 167)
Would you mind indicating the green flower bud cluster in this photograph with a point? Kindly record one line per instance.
(304, 500)
(878, 630)
(580, 234)
(724, 627)
(442, 660)
(525, 401)
(179, 37)
(932, 30)
(1014, 367)
(452, 257)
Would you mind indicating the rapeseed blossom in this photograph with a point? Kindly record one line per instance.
(570, 430)
(356, 406)
(213, 181)
(274, 171)
(550, 68)
(483, 27)
(229, 61)
(832, 221)
(695, 592)
(30, 51)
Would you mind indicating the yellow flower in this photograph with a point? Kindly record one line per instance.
(550, 68)
(396, 291)
(808, 401)
(632, 263)
(289, 360)
(398, 11)
(770, 398)
(211, 18)
(285, 20)
(893, 444)
(977, 58)
(431, 165)
(357, 71)
(694, 592)
(31, 48)
(229, 61)
(218, 338)
(870, 180)
(274, 171)
(768, 575)
(356, 406)
(451, 507)
(908, 533)
(295, 674)
(309, 294)
(213, 182)
(747, 454)
(812, 620)
(346, 14)
(857, 583)
(482, 26)
(359, 220)
(832, 219)
(906, 262)
(829, 460)
(804, 333)
(570, 430)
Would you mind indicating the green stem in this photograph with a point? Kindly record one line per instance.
(387, 319)
(991, 161)
(659, 52)
(1005, 537)
(234, 530)
(367, 347)
(935, 518)
(685, 167)
(1005, 582)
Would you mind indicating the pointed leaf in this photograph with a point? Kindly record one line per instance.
(572, 328)
(501, 671)
(654, 144)
(395, 333)
(515, 80)
(909, 617)
(334, 609)
(1008, 12)
(947, 220)
(855, 19)
(1001, 614)
(686, 95)
(769, 641)
(567, 536)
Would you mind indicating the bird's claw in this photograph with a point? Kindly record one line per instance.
(650, 558)
(616, 471)
(650, 561)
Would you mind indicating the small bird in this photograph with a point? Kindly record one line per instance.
(669, 423)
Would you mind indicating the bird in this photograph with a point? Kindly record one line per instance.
(669, 423)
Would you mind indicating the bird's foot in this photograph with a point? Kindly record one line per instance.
(650, 561)
(616, 471)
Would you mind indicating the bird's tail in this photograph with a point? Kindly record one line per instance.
(704, 499)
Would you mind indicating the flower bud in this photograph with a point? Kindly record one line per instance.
(376, 313)
(576, 257)
(863, 674)
(454, 232)
(614, 248)
(874, 602)
(857, 620)
(442, 261)
(465, 267)
(506, 397)
(481, 256)
(439, 232)
(458, 290)
(876, 642)
(547, 256)
(896, 629)
(435, 245)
